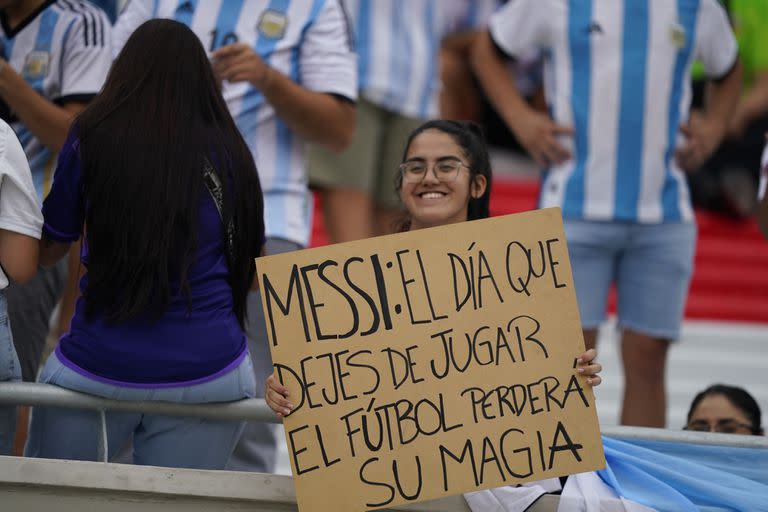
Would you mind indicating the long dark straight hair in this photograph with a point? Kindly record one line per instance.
(469, 137)
(143, 142)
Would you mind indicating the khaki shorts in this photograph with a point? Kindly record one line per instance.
(370, 163)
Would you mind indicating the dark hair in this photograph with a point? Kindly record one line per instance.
(469, 136)
(739, 397)
(143, 142)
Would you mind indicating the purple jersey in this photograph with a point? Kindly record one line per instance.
(188, 343)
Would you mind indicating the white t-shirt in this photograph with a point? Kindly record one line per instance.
(308, 41)
(618, 72)
(19, 206)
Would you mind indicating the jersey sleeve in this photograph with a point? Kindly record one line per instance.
(716, 46)
(520, 27)
(132, 16)
(63, 208)
(87, 56)
(19, 206)
(328, 62)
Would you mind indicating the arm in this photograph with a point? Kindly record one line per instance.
(535, 131)
(18, 254)
(51, 251)
(316, 116)
(47, 121)
(705, 131)
(753, 104)
(314, 107)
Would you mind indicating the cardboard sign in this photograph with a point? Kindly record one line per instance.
(430, 363)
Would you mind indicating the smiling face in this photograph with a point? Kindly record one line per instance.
(431, 202)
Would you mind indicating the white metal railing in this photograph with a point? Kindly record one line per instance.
(256, 409)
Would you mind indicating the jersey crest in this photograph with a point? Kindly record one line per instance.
(272, 24)
(36, 65)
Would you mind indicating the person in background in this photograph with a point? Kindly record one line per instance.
(20, 225)
(54, 57)
(162, 308)
(444, 178)
(614, 148)
(288, 75)
(399, 86)
(727, 182)
(725, 409)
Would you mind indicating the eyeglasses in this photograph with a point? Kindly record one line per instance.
(724, 426)
(445, 170)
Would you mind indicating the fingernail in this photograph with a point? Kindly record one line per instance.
(581, 370)
(579, 360)
(286, 412)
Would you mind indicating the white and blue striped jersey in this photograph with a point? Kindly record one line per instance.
(397, 42)
(307, 40)
(618, 72)
(63, 51)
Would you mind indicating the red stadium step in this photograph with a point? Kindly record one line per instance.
(730, 280)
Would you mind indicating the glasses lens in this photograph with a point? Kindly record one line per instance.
(698, 426)
(413, 171)
(447, 170)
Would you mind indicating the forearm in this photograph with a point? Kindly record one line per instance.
(51, 251)
(497, 82)
(47, 121)
(722, 97)
(754, 103)
(318, 117)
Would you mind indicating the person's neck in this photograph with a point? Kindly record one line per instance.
(19, 11)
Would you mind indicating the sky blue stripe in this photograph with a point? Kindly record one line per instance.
(431, 64)
(184, 15)
(579, 46)
(285, 136)
(363, 42)
(7, 48)
(253, 99)
(43, 43)
(400, 58)
(226, 22)
(629, 150)
(687, 13)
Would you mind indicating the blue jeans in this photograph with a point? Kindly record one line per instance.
(197, 443)
(10, 370)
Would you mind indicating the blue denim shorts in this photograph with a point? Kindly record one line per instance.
(650, 264)
(9, 362)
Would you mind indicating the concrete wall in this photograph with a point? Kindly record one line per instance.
(73, 486)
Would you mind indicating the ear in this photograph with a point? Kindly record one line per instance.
(479, 185)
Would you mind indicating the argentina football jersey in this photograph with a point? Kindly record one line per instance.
(306, 40)
(625, 112)
(397, 42)
(63, 51)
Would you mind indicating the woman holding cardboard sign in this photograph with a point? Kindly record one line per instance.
(157, 170)
(445, 178)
